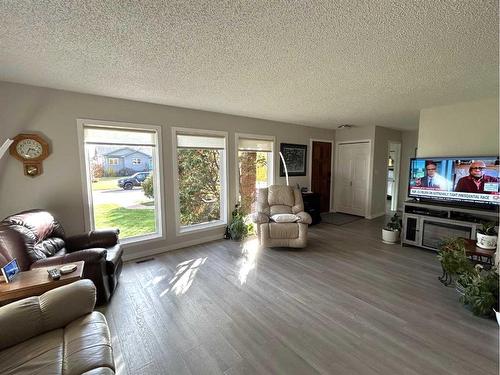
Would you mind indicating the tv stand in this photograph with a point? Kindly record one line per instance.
(427, 224)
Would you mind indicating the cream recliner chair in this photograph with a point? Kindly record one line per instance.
(281, 199)
(56, 333)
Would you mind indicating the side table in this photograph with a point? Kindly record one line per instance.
(478, 254)
(475, 254)
(36, 282)
(312, 206)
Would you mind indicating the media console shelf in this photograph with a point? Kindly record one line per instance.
(427, 224)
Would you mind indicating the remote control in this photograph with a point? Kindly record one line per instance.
(54, 274)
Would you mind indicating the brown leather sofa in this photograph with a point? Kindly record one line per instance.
(56, 333)
(36, 239)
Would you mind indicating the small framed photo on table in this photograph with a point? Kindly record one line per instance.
(295, 158)
(10, 270)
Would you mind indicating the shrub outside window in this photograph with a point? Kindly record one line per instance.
(200, 177)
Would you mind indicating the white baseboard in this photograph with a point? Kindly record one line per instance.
(133, 255)
(375, 215)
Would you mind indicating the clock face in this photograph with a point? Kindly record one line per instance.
(29, 149)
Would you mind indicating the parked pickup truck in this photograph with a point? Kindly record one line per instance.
(127, 183)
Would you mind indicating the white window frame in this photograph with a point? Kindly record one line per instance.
(270, 169)
(222, 222)
(136, 161)
(88, 207)
(115, 160)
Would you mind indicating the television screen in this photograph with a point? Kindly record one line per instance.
(467, 180)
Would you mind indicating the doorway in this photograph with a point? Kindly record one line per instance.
(393, 168)
(321, 172)
(352, 172)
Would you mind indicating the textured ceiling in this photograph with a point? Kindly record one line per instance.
(319, 63)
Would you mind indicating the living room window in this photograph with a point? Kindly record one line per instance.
(199, 179)
(122, 189)
(255, 167)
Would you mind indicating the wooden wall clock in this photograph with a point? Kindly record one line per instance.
(32, 150)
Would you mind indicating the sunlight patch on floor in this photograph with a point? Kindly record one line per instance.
(249, 254)
(184, 276)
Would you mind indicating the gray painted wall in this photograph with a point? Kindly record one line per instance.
(461, 129)
(409, 142)
(380, 137)
(380, 161)
(53, 113)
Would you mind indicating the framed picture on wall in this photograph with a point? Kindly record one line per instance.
(295, 157)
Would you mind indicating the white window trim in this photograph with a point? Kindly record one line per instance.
(136, 161)
(184, 230)
(116, 161)
(88, 207)
(270, 171)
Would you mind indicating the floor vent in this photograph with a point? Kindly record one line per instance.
(145, 260)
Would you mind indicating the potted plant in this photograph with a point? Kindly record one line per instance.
(454, 261)
(465, 279)
(481, 295)
(487, 236)
(392, 230)
(238, 229)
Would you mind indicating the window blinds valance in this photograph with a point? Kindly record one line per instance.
(200, 141)
(117, 136)
(261, 145)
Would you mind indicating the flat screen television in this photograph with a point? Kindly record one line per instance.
(468, 181)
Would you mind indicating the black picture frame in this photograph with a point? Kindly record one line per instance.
(296, 159)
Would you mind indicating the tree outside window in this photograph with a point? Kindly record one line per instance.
(255, 157)
(201, 179)
(253, 175)
(199, 186)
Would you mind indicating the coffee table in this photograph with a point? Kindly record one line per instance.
(36, 282)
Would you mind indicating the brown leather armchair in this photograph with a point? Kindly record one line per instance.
(36, 239)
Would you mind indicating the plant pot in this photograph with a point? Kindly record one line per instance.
(390, 236)
(460, 289)
(485, 241)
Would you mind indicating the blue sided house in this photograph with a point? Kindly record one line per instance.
(127, 158)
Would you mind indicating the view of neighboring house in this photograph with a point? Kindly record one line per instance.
(126, 158)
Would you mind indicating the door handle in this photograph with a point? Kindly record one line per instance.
(351, 183)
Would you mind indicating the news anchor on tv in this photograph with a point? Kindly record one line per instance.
(432, 179)
(476, 180)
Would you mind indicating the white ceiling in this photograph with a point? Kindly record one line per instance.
(318, 63)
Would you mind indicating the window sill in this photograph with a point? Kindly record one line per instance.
(200, 227)
(140, 239)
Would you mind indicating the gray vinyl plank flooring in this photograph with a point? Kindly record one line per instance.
(348, 304)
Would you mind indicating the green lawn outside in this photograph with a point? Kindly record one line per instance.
(131, 222)
(106, 183)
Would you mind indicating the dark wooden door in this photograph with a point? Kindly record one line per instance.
(322, 172)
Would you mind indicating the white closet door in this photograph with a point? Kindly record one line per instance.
(351, 178)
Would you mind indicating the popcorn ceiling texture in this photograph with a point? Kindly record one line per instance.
(318, 63)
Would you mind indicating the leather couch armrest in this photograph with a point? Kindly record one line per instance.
(54, 309)
(304, 217)
(260, 218)
(87, 255)
(95, 238)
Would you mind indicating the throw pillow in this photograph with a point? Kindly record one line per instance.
(285, 218)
